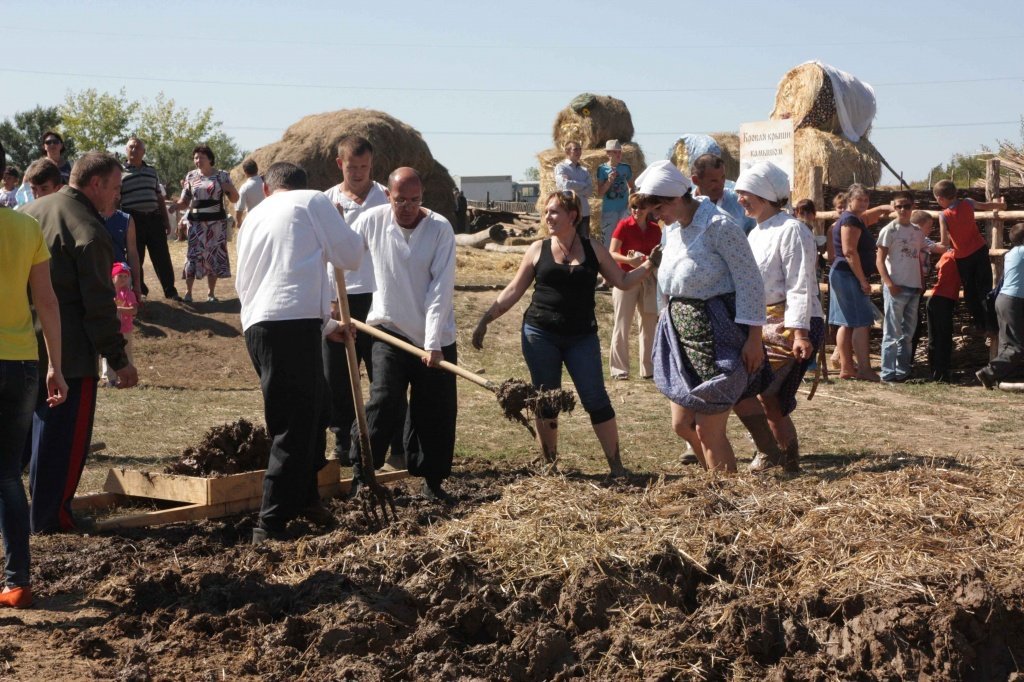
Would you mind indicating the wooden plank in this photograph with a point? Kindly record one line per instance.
(198, 512)
(196, 489)
(97, 501)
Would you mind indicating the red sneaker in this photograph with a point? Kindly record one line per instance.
(16, 597)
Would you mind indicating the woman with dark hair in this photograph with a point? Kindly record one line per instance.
(53, 149)
(24, 269)
(202, 193)
(707, 350)
(559, 327)
(849, 305)
(795, 328)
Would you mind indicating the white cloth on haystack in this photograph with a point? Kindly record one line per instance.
(855, 102)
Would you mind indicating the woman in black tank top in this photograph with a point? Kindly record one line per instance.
(559, 327)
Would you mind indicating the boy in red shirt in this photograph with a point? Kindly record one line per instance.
(940, 316)
(958, 229)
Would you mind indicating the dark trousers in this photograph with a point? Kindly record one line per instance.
(18, 387)
(342, 410)
(151, 233)
(286, 356)
(1009, 364)
(60, 444)
(976, 274)
(430, 428)
(940, 334)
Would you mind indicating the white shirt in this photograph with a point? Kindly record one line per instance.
(711, 257)
(787, 258)
(576, 177)
(415, 279)
(358, 281)
(903, 262)
(282, 255)
(250, 194)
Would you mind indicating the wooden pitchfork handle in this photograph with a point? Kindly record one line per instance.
(420, 353)
(365, 455)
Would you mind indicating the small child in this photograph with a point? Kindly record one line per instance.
(926, 223)
(899, 263)
(958, 229)
(940, 317)
(127, 306)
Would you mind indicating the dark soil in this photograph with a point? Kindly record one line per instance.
(196, 601)
(227, 449)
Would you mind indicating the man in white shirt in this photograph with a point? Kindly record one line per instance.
(250, 194)
(356, 193)
(413, 252)
(282, 285)
(572, 175)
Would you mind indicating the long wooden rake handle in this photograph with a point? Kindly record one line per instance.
(420, 353)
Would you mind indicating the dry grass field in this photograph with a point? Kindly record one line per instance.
(894, 555)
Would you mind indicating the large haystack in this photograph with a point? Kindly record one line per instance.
(591, 158)
(728, 143)
(844, 162)
(806, 97)
(592, 120)
(312, 143)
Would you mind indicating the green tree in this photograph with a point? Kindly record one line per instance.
(531, 173)
(171, 132)
(98, 121)
(22, 135)
(963, 169)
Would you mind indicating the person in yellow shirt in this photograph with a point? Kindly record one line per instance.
(24, 260)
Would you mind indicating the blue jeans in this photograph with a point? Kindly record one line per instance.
(898, 332)
(545, 353)
(18, 388)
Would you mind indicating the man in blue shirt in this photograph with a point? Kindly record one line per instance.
(708, 174)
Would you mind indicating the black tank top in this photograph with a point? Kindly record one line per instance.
(563, 295)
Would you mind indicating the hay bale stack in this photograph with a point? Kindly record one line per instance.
(844, 162)
(592, 120)
(729, 143)
(312, 143)
(806, 97)
(591, 158)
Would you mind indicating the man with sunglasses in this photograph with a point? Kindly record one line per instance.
(899, 263)
(413, 253)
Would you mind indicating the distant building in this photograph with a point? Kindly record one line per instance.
(528, 191)
(486, 187)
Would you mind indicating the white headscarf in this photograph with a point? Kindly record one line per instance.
(663, 179)
(766, 180)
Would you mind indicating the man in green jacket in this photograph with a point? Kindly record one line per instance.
(81, 255)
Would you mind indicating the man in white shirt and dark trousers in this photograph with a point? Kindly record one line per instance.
(282, 285)
(250, 194)
(571, 175)
(356, 193)
(413, 252)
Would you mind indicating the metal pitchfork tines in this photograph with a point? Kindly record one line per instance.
(379, 497)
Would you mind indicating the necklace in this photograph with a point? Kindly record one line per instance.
(567, 255)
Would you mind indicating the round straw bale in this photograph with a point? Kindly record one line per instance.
(592, 120)
(844, 162)
(729, 143)
(806, 97)
(312, 142)
(591, 158)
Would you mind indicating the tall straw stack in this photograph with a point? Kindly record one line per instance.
(591, 158)
(592, 120)
(729, 144)
(805, 96)
(312, 143)
(844, 162)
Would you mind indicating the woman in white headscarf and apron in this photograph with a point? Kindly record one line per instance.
(786, 256)
(707, 351)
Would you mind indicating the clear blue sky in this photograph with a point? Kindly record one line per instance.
(483, 81)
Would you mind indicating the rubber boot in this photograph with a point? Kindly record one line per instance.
(769, 454)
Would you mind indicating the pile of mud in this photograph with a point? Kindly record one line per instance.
(226, 449)
(638, 579)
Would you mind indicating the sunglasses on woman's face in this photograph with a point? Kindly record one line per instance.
(51, 142)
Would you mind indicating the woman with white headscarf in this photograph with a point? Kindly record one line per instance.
(707, 351)
(786, 256)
